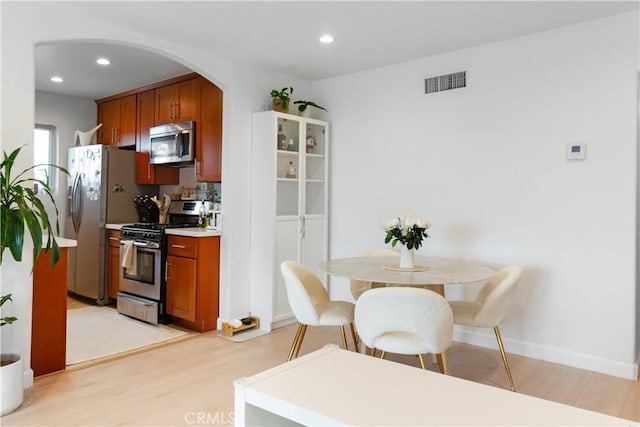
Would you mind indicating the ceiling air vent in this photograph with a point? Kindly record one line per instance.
(445, 82)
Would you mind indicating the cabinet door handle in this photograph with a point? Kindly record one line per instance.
(113, 136)
(178, 246)
(176, 110)
(172, 109)
(114, 238)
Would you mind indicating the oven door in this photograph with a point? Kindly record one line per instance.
(147, 280)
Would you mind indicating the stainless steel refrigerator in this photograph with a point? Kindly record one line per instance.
(101, 190)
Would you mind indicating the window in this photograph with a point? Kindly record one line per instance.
(45, 152)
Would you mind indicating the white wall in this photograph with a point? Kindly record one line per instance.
(246, 90)
(487, 166)
(638, 230)
(67, 114)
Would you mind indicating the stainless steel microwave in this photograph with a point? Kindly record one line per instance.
(172, 143)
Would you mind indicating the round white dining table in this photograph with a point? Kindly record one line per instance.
(433, 272)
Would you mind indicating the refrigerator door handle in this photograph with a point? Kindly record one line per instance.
(70, 201)
(75, 201)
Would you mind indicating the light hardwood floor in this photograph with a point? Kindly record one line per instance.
(175, 383)
(77, 302)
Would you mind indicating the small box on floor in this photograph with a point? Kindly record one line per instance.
(230, 328)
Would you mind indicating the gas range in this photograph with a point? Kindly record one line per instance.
(143, 232)
(148, 232)
(143, 286)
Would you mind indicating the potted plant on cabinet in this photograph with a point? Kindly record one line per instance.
(20, 207)
(280, 99)
(302, 107)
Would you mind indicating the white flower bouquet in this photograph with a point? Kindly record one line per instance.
(409, 232)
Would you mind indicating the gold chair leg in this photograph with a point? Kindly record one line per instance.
(354, 336)
(443, 362)
(304, 330)
(421, 361)
(294, 343)
(298, 343)
(504, 357)
(344, 337)
(383, 354)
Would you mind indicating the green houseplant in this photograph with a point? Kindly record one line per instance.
(20, 211)
(302, 105)
(20, 206)
(280, 99)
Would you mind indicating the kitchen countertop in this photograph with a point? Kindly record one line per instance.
(63, 242)
(189, 232)
(115, 226)
(193, 232)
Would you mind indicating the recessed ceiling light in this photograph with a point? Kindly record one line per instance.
(326, 38)
(57, 79)
(103, 61)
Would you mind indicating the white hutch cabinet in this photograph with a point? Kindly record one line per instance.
(289, 197)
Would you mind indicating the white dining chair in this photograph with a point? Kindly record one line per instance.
(311, 305)
(405, 321)
(490, 307)
(360, 286)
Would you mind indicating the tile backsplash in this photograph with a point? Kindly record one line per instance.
(187, 180)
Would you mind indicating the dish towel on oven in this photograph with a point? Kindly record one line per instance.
(129, 257)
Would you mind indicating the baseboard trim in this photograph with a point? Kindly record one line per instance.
(283, 320)
(549, 354)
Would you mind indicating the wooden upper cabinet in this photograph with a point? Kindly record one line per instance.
(209, 134)
(108, 115)
(146, 119)
(147, 173)
(118, 118)
(178, 102)
(127, 129)
(127, 117)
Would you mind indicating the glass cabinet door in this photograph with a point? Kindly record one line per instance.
(315, 166)
(288, 167)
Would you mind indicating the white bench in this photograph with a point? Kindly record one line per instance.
(337, 387)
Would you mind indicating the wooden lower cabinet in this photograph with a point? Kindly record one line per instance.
(49, 315)
(181, 287)
(113, 263)
(193, 277)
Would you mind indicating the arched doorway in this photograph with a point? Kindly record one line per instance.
(70, 105)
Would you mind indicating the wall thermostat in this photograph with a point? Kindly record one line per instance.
(576, 151)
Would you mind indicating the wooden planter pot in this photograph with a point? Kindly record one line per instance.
(276, 103)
